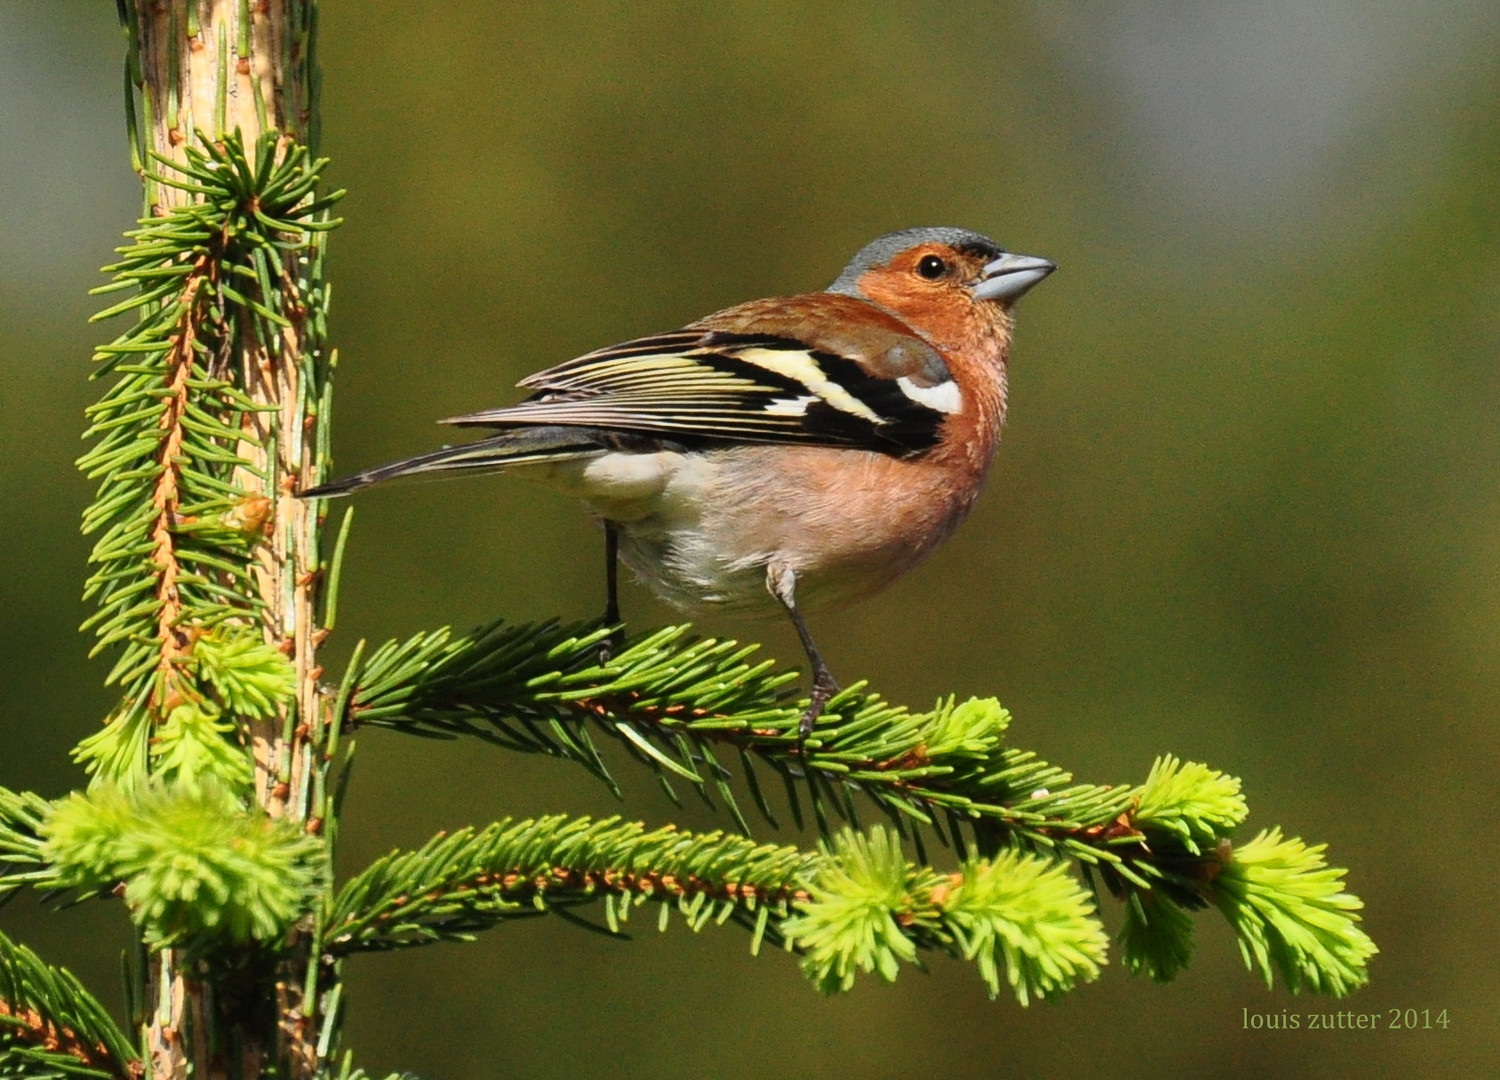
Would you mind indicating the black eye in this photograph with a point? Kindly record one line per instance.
(931, 267)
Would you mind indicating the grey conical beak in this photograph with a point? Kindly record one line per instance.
(1011, 276)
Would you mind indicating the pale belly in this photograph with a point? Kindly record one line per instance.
(700, 530)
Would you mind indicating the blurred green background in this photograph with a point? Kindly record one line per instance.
(1245, 509)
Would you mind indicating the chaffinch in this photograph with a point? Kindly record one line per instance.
(790, 452)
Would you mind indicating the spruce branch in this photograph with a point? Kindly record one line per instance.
(855, 905)
(51, 1027)
(678, 704)
(460, 883)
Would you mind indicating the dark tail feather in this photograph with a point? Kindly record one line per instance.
(519, 447)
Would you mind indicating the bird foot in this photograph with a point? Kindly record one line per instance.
(611, 645)
(823, 690)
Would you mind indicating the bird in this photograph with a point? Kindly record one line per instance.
(789, 453)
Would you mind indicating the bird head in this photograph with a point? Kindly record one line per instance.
(941, 281)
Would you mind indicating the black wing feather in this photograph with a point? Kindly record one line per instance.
(705, 388)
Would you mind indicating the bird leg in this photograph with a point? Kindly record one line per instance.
(782, 581)
(616, 638)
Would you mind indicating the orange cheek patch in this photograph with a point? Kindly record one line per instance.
(940, 312)
(937, 311)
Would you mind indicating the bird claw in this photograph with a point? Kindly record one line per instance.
(612, 644)
(823, 690)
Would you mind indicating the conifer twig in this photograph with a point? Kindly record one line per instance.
(857, 905)
(51, 1026)
(21, 818)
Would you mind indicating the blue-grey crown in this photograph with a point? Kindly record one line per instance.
(881, 251)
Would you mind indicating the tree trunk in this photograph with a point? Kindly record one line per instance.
(203, 69)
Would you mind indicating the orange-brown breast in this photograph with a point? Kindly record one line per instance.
(974, 340)
(849, 522)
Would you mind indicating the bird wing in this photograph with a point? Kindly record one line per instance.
(823, 370)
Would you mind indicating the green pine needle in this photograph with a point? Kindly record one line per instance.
(464, 882)
(864, 894)
(251, 678)
(1157, 937)
(1030, 913)
(21, 817)
(194, 746)
(116, 754)
(870, 909)
(974, 729)
(1197, 804)
(196, 867)
(1292, 917)
(51, 1027)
